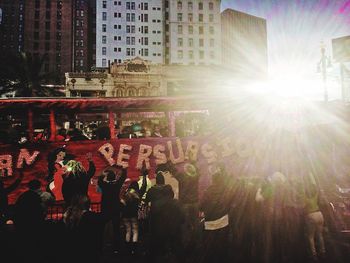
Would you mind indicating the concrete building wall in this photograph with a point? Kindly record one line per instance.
(194, 30)
(244, 43)
(127, 29)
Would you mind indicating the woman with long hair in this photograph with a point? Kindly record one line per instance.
(77, 179)
(56, 172)
(84, 231)
(131, 202)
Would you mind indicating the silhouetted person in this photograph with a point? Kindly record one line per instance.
(4, 192)
(166, 221)
(84, 232)
(77, 180)
(46, 197)
(131, 202)
(215, 205)
(110, 186)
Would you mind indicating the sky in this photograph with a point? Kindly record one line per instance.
(296, 29)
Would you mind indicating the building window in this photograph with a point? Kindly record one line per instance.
(180, 54)
(201, 54)
(200, 6)
(145, 6)
(36, 35)
(47, 35)
(47, 46)
(211, 30)
(201, 42)
(200, 17)
(179, 29)
(145, 41)
(211, 6)
(211, 18)
(104, 16)
(212, 54)
(37, 3)
(104, 39)
(179, 5)
(128, 52)
(104, 4)
(104, 50)
(212, 42)
(104, 62)
(179, 42)
(190, 17)
(190, 6)
(36, 15)
(132, 17)
(190, 30)
(104, 28)
(201, 30)
(190, 54)
(132, 5)
(127, 5)
(179, 17)
(190, 42)
(146, 52)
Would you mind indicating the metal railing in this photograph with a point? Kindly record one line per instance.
(55, 212)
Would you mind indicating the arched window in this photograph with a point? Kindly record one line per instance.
(119, 93)
(143, 92)
(131, 92)
(154, 91)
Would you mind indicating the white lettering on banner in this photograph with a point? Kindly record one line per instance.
(123, 156)
(181, 157)
(244, 148)
(192, 149)
(208, 153)
(227, 147)
(24, 155)
(107, 150)
(158, 152)
(6, 164)
(144, 152)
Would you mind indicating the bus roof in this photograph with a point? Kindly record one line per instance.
(119, 104)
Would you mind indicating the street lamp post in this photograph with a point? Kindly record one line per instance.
(322, 66)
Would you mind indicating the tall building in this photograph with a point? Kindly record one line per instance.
(48, 31)
(12, 25)
(61, 30)
(193, 32)
(129, 29)
(244, 43)
(84, 35)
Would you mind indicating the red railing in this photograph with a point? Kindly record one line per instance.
(55, 212)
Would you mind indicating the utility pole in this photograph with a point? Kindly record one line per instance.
(342, 82)
(324, 72)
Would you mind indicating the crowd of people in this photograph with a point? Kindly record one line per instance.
(236, 219)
